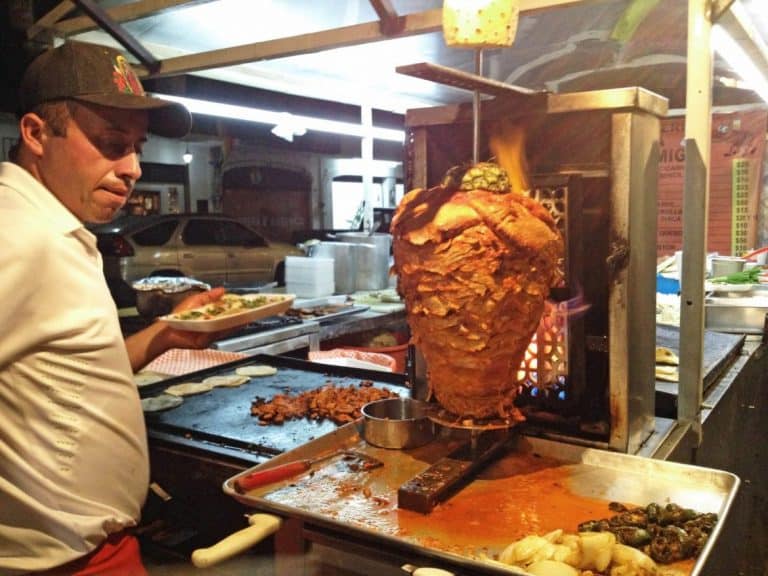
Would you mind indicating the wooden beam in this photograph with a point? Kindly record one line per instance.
(387, 15)
(49, 19)
(119, 33)
(412, 24)
(744, 33)
(720, 7)
(122, 13)
(531, 5)
(356, 34)
(145, 8)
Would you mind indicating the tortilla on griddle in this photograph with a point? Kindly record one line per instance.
(148, 377)
(256, 370)
(188, 388)
(226, 380)
(161, 402)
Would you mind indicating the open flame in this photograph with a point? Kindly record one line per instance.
(546, 359)
(507, 144)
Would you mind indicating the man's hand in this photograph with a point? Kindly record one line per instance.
(200, 299)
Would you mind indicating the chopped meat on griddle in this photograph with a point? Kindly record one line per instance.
(340, 404)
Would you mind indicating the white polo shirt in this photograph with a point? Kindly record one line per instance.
(73, 453)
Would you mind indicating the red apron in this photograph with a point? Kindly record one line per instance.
(119, 555)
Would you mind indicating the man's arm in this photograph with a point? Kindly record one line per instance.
(147, 344)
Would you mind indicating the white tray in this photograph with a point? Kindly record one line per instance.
(275, 304)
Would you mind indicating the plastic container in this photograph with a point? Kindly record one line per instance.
(667, 285)
(309, 277)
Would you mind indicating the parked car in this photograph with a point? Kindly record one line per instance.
(211, 248)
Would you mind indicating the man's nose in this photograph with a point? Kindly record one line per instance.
(129, 166)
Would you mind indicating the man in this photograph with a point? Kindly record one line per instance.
(73, 454)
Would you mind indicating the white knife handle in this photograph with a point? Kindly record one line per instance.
(261, 526)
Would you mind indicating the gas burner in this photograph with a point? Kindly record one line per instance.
(443, 417)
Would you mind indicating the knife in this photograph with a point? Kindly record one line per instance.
(282, 471)
(261, 477)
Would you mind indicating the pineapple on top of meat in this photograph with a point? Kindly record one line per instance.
(475, 263)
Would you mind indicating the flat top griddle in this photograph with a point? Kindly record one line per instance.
(719, 351)
(223, 415)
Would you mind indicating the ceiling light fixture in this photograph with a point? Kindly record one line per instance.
(738, 59)
(187, 156)
(288, 128)
(304, 123)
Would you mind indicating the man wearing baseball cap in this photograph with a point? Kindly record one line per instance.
(74, 465)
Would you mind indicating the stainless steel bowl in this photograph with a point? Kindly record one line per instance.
(398, 423)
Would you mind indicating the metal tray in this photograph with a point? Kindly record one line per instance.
(492, 498)
(344, 310)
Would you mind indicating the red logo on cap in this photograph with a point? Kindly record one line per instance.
(125, 78)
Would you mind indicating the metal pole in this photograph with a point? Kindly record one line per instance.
(698, 121)
(366, 144)
(476, 109)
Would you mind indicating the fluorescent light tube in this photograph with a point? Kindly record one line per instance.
(277, 118)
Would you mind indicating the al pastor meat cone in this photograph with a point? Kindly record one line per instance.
(475, 266)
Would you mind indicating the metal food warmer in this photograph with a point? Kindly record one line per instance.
(587, 385)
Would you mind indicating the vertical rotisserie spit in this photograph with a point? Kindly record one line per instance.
(475, 261)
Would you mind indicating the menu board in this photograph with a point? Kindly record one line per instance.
(738, 142)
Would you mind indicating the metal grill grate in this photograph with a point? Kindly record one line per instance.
(545, 368)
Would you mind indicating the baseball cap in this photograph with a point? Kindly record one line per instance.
(100, 75)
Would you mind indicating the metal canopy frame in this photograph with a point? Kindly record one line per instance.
(389, 25)
(56, 24)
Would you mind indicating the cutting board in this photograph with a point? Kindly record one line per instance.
(719, 351)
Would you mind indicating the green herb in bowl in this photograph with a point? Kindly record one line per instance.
(751, 276)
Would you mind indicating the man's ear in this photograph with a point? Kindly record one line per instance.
(32, 132)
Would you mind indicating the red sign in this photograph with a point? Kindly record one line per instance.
(738, 142)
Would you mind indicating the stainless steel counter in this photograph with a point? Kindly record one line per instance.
(276, 341)
(310, 333)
